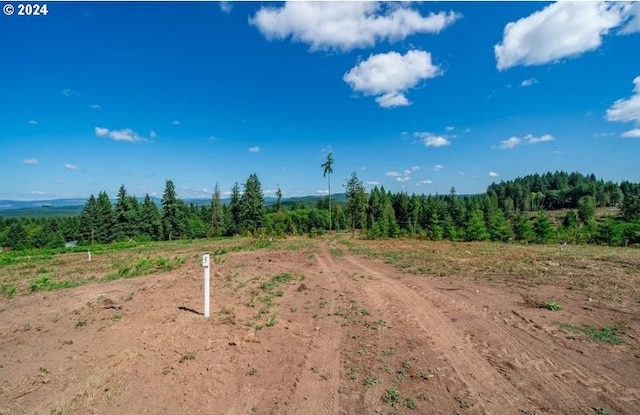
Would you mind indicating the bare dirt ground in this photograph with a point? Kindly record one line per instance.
(315, 330)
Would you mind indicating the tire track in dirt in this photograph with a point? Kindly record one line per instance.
(490, 391)
(316, 390)
(546, 366)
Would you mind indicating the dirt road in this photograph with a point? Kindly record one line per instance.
(310, 331)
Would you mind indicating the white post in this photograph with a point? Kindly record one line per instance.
(205, 264)
(89, 253)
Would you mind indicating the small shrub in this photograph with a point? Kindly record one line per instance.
(391, 396)
(9, 290)
(188, 356)
(81, 323)
(551, 305)
(272, 320)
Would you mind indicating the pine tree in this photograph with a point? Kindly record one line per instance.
(356, 201)
(105, 219)
(89, 220)
(217, 214)
(252, 205)
(234, 210)
(126, 216)
(543, 229)
(150, 224)
(523, 228)
(172, 212)
(327, 169)
(476, 228)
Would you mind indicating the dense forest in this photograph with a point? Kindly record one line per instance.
(553, 207)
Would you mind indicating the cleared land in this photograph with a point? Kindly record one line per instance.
(323, 326)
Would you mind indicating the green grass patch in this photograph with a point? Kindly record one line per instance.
(275, 281)
(9, 290)
(45, 283)
(605, 334)
(145, 266)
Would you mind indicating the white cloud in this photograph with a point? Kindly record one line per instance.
(125, 134)
(30, 162)
(493, 174)
(513, 142)
(69, 166)
(561, 30)
(346, 25)
(632, 11)
(635, 133)
(226, 6)
(403, 179)
(626, 110)
(510, 142)
(95, 106)
(449, 128)
(254, 149)
(424, 182)
(175, 122)
(33, 122)
(213, 138)
(432, 140)
(38, 192)
(415, 168)
(152, 134)
(438, 167)
(389, 75)
(374, 183)
(393, 174)
(69, 92)
(529, 82)
(322, 192)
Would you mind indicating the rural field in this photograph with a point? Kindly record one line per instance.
(327, 325)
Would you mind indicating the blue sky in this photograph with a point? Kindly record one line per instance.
(418, 97)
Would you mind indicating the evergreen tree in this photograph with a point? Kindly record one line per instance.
(217, 214)
(16, 236)
(89, 220)
(277, 207)
(252, 205)
(105, 219)
(126, 216)
(234, 210)
(586, 208)
(476, 228)
(543, 229)
(172, 212)
(327, 169)
(499, 227)
(523, 229)
(356, 201)
(150, 224)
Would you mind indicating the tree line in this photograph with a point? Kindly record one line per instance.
(517, 210)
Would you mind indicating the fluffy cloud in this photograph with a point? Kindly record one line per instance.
(635, 133)
(390, 75)
(125, 134)
(632, 11)
(69, 166)
(226, 6)
(627, 110)
(432, 140)
(393, 174)
(561, 30)
(513, 142)
(345, 26)
(438, 167)
(493, 174)
(30, 162)
(424, 182)
(529, 82)
(449, 128)
(254, 149)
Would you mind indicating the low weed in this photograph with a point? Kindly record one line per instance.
(45, 283)
(81, 323)
(272, 320)
(145, 266)
(9, 290)
(188, 356)
(551, 305)
(605, 334)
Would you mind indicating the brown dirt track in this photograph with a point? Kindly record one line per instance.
(348, 329)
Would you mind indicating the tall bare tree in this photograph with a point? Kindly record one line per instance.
(327, 167)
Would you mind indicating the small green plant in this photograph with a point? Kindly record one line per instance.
(252, 371)
(293, 309)
(601, 411)
(605, 334)
(116, 317)
(369, 381)
(43, 369)
(9, 290)
(45, 283)
(322, 303)
(352, 374)
(410, 403)
(81, 323)
(391, 396)
(272, 320)
(551, 305)
(188, 356)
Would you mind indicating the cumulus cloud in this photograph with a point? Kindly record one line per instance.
(415, 168)
(627, 110)
(493, 174)
(374, 183)
(561, 30)
(635, 133)
(389, 75)
(424, 182)
(528, 82)
(433, 140)
(632, 11)
(513, 142)
(125, 134)
(254, 149)
(30, 162)
(225, 6)
(393, 174)
(345, 26)
(438, 167)
(69, 166)
(403, 179)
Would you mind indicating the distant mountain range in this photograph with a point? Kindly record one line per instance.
(66, 207)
